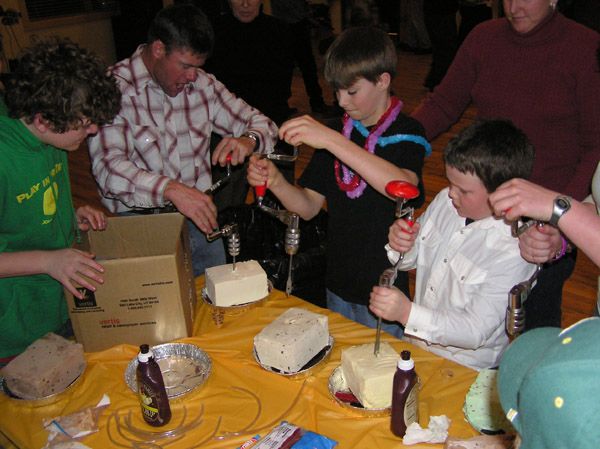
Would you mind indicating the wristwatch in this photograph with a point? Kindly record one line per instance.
(252, 135)
(562, 204)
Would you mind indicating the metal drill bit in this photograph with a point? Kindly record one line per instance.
(387, 279)
(292, 244)
(288, 284)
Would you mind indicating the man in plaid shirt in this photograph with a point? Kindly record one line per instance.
(155, 155)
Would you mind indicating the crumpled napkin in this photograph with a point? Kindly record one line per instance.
(437, 432)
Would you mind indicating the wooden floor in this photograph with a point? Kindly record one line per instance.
(580, 290)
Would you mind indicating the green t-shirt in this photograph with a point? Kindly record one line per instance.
(37, 214)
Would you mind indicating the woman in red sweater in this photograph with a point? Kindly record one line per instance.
(538, 69)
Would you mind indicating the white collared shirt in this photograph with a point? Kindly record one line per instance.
(464, 274)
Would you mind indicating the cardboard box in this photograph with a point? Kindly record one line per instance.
(148, 295)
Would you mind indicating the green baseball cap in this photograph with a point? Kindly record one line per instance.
(549, 386)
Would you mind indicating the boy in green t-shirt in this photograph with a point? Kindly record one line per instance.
(58, 96)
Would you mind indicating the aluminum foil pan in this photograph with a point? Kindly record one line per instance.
(219, 313)
(184, 368)
(307, 369)
(46, 400)
(343, 396)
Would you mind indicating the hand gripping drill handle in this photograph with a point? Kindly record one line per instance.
(402, 191)
(260, 191)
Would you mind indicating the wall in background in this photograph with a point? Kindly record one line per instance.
(94, 33)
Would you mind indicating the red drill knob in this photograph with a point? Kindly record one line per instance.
(261, 190)
(402, 190)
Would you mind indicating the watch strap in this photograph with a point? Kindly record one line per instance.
(560, 205)
(252, 135)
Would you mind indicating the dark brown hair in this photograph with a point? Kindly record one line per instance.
(493, 150)
(65, 84)
(360, 52)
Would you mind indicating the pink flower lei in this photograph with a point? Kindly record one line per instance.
(350, 182)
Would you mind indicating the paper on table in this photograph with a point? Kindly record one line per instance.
(437, 432)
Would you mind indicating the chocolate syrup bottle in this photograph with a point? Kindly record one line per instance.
(405, 401)
(151, 389)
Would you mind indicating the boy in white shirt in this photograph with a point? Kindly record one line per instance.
(466, 259)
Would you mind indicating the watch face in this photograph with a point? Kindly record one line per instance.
(562, 203)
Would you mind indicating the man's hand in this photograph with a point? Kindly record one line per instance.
(239, 148)
(518, 197)
(192, 203)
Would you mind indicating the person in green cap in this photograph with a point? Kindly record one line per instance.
(549, 387)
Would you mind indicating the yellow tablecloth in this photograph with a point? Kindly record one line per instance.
(444, 386)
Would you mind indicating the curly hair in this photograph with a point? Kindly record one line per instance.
(64, 83)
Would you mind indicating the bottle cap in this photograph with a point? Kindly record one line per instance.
(405, 363)
(145, 353)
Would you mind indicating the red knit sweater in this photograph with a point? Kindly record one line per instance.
(546, 81)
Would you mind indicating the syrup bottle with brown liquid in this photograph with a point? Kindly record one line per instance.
(151, 389)
(405, 400)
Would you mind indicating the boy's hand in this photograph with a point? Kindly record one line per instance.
(402, 235)
(90, 217)
(306, 130)
(261, 171)
(390, 304)
(540, 244)
(71, 265)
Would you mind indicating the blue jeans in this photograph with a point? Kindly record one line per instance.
(205, 254)
(361, 314)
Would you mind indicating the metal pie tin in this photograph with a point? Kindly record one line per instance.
(307, 369)
(219, 312)
(184, 368)
(46, 400)
(337, 384)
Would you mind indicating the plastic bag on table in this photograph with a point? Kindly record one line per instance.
(69, 428)
(290, 436)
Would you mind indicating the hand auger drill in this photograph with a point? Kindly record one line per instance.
(217, 185)
(291, 219)
(515, 312)
(259, 191)
(403, 191)
(233, 239)
(231, 230)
